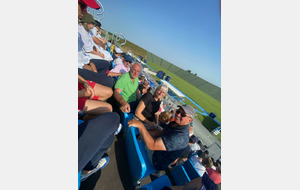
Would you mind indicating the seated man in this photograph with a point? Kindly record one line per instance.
(143, 86)
(98, 39)
(117, 53)
(90, 47)
(121, 68)
(171, 142)
(128, 85)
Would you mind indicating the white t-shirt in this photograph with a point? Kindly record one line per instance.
(88, 42)
(82, 58)
(198, 165)
(118, 61)
(194, 147)
(107, 55)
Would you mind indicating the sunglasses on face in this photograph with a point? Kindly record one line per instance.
(182, 114)
(128, 61)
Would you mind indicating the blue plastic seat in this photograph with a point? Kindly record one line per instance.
(157, 184)
(180, 176)
(191, 170)
(139, 164)
(79, 178)
(124, 118)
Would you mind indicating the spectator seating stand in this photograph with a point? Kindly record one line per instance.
(139, 164)
(157, 184)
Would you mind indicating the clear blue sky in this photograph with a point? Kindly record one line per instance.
(185, 33)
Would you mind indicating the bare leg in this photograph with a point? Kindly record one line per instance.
(103, 92)
(95, 107)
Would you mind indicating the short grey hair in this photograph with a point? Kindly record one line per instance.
(136, 63)
(164, 87)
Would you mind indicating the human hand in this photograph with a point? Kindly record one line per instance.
(125, 107)
(89, 89)
(135, 123)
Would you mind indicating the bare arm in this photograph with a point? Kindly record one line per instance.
(86, 86)
(112, 74)
(156, 117)
(97, 53)
(138, 113)
(155, 133)
(98, 42)
(151, 144)
(124, 106)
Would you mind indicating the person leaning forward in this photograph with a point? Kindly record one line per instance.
(169, 143)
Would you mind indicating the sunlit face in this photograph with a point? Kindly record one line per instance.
(127, 63)
(90, 25)
(135, 71)
(160, 93)
(181, 118)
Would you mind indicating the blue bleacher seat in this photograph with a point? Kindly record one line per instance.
(79, 178)
(124, 118)
(180, 176)
(191, 170)
(157, 184)
(79, 174)
(139, 164)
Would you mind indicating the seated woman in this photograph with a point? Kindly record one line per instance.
(89, 94)
(121, 68)
(143, 87)
(148, 106)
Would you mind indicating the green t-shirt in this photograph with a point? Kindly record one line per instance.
(128, 87)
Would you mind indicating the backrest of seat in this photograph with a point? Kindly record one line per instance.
(136, 161)
(180, 176)
(158, 183)
(190, 169)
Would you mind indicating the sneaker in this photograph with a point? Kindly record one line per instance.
(102, 163)
(119, 129)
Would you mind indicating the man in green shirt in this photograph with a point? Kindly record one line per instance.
(128, 85)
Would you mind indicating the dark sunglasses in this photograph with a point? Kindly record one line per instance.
(182, 114)
(128, 61)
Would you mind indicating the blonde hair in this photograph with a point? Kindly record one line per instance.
(165, 116)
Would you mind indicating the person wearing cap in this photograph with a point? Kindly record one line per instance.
(90, 47)
(90, 69)
(119, 59)
(96, 35)
(121, 68)
(117, 52)
(169, 143)
(94, 138)
(127, 84)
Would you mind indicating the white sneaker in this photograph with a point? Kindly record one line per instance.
(119, 129)
(102, 163)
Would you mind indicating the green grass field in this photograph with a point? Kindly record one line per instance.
(203, 100)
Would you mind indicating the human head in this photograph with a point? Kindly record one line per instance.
(145, 83)
(165, 116)
(135, 70)
(127, 60)
(161, 91)
(82, 5)
(89, 20)
(141, 78)
(117, 51)
(172, 112)
(184, 115)
(97, 24)
(164, 105)
(206, 152)
(207, 162)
